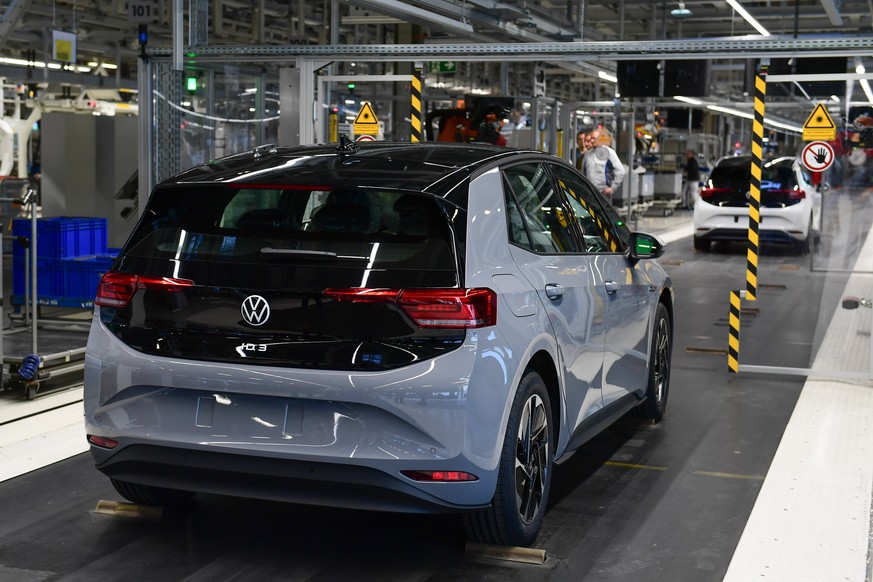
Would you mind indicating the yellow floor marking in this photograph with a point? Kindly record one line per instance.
(704, 473)
(729, 475)
(634, 466)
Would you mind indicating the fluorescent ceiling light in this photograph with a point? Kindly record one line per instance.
(748, 17)
(729, 111)
(865, 84)
(688, 100)
(745, 115)
(607, 77)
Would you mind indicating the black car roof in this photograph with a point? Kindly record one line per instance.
(412, 166)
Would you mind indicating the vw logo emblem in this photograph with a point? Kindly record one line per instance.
(255, 310)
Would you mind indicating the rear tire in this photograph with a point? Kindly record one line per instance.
(149, 495)
(525, 472)
(701, 244)
(805, 246)
(659, 368)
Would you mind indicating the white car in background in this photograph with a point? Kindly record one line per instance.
(790, 203)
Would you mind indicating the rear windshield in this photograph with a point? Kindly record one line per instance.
(229, 234)
(776, 175)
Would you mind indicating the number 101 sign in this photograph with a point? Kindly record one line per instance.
(142, 11)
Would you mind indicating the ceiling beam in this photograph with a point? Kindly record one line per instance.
(833, 12)
(11, 17)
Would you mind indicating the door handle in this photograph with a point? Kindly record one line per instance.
(611, 287)
(554, 291)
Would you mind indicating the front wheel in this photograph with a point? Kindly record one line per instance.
(525, 472)
(659, 368)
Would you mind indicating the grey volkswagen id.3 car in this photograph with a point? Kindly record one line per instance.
(402, 327)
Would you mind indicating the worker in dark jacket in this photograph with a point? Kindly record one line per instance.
(692, 180)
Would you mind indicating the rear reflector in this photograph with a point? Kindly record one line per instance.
(440, 476)
(431, 308)
(116, 289)
(102, 442)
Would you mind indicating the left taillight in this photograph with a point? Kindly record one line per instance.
(796, 194)
(432, 308)
(116, 289)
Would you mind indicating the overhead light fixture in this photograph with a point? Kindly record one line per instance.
(748, 17)
(607, 77)
(688, 100)
(680, 11)
(744, 115)
(865, 84)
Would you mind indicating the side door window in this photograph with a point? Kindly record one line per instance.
(601, 228)
(537, 219)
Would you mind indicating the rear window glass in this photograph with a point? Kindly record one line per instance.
(369, 231)
(776, 175)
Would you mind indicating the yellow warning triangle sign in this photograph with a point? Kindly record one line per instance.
(819, 119)
(819, 125)
(366, 121)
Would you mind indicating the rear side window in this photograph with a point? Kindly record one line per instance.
(537, 219)
(376, 237)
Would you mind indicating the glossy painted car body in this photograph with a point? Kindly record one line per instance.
(790, 203)
(340, 396)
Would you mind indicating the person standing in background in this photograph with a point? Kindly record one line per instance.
(584, 142)
(692, 180)
(601, 164)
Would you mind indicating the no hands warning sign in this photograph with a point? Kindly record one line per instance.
(819, 125)
(817, 156)
(366, 122)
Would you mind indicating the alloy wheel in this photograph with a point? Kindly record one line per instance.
(531, 458)
(662, 360)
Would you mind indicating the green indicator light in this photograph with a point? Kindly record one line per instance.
(191, 84)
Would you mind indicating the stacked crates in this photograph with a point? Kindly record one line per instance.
(71, 254)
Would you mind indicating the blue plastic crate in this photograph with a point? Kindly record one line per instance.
(49, 280)
(63, 236)
(81, 276)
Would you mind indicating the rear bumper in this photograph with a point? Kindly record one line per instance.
(729, 234)
(784, 225)
(175, 420)
(315, 483)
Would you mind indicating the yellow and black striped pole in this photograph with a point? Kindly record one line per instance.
(755, 185)
(416, 105)
(734, 334)
(754, 220)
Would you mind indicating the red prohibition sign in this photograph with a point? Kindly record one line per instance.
(817, 156)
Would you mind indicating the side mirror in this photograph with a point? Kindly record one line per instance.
(645, 246)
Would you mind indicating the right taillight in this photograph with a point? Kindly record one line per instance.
(116, 289)
(431, 308)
